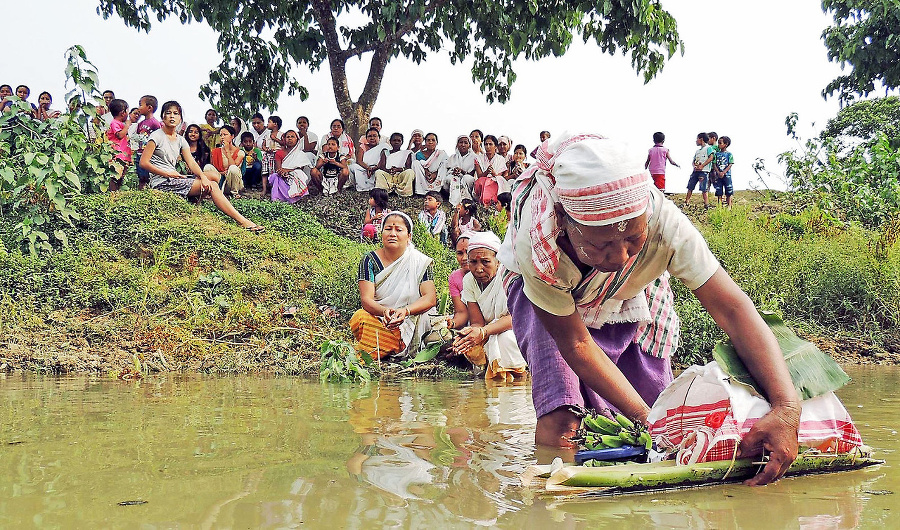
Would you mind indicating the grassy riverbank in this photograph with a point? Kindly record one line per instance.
(150, 278)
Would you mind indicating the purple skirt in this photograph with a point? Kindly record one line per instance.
(555, 385)
(280, 189)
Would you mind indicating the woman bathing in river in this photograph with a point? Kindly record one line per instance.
(593, 244)
(396, 287)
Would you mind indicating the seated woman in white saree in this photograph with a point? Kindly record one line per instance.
(362, 173)
(429, 171)
(489, 339)
(394, 173)
(396, 288)
(459, 171)
(290, 181)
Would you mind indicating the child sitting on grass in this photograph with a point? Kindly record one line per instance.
(378, 209)
(433, 217)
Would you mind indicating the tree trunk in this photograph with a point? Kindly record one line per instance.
(354, 113)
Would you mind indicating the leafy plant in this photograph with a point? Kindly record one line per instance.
(497, 222)
(45, 164)
(342, 363)
(860, 186)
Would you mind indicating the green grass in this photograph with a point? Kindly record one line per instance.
(136, 282)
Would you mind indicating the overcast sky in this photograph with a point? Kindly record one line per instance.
(746, 66)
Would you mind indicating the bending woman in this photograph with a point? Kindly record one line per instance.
(594, 243)
(396, 287)
(489, 339)
(162, 152)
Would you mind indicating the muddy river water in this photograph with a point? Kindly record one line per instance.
(255, 452)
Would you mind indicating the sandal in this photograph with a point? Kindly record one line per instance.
(256, 229)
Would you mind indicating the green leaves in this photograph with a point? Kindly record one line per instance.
(857, 184)
(863, 36)
(342, 363)
(255, 70)
(47, 164)
(813, 372)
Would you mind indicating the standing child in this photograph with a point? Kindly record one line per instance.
(656, 161)
(703, 161)
(724, 161)
(433, 217)
(147, 126)
(378, 209)
(464, 219)
(118, 136)
(270, 142)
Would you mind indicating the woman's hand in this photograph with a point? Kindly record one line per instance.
(204, 183)
(468, 338)
(776, 432)
(394, 317)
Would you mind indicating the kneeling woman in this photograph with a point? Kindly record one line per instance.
(396, 288)
(489, 339)
(161, 153)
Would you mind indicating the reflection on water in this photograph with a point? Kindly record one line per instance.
(279, 453)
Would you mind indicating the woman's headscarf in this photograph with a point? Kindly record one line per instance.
(488, 240)
(597, 181)
(238, 133)
(409, 222)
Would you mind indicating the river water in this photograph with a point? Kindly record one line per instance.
(255, 452)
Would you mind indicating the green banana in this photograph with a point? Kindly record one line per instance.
(610, 440)
(623, 421)
(646, 439)
(628, 438)
(601, 424)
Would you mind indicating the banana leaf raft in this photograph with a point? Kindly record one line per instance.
(667, 475)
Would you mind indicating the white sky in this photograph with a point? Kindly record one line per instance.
(746, 66)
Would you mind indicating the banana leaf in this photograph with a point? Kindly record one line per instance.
(813, 372)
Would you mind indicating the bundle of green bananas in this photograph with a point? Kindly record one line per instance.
(600, 432)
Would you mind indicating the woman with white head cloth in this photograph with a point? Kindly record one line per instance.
(459, 171)
(594, 243)
(489, 339)
(396, 288)
(429, 166)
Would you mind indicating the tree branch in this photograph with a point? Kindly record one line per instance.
(396, 35)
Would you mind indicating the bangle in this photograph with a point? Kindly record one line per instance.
(482, 334)
(408, 312)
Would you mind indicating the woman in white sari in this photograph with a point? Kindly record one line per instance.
(395, 173)
(489, 340)
(429, 171)
(396, 288)
(459, 171)
(367, 158)
(290, 181)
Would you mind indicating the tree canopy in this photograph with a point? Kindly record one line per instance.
(863, 120)
(262, 41)
(864, 36)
